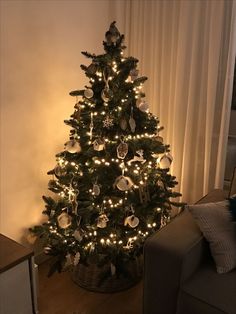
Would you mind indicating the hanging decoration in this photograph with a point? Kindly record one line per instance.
(96, 189)
(142, 105)
(133, 74)
(68, 261)
(144, 195)
(113, 269)
(60, 171)
(132, 122)
(102, 221)
(132, 221)
(164, 161)
(123, 124)
(73, 146)
(106, 93)
(108, 122)
(64, 220)
(91, 126)
(77, 258)
(78, 235)
(123, 183)
(99, 144)
(138, 158)
(122, 149)
(88, 93)
(129, 244)
(158, 138)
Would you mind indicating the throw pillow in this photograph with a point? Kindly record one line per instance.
(215, 222)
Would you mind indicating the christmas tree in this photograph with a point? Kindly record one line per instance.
(112, 182)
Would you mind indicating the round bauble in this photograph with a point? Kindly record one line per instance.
(60, 171)
(106, 94)
(73, 146)
(88, 93)
(165, 161)
(123, 183)
(142, 105)
(64, 220)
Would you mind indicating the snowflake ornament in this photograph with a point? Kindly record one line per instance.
(108, 122)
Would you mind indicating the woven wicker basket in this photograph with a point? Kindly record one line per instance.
(89, 277)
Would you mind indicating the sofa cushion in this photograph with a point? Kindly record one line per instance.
(217, 226)
(210, 289)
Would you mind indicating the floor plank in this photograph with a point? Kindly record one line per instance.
(60, 295)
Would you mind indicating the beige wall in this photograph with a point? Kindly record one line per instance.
(41, 43)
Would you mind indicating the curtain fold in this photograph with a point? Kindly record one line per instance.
(187, 51)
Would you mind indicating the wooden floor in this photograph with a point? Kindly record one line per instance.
(60, 295)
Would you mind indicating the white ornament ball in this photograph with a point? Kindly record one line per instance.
(64, 220)
(142, 105)
(73, 146)
(124, 183)
(88, 93)
(165, 161)
(60, 171)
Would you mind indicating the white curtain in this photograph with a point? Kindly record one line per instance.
(187, 51)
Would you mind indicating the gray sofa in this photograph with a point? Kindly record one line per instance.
(179, 274)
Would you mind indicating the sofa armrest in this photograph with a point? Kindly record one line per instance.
(170, 257)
